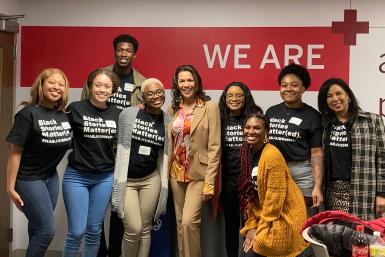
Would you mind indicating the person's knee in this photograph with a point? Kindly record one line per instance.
(46, 237)
(146, 230)
(190, 222)
(76, 234)
(93, 233)
(132, 232)
(45, 233)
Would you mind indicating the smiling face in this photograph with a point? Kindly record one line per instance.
(124, 54)
(255, 132)
(291, 89)
(101, 89)
(186, 85)
(53, 88)
(338, 100)
(154, 97)
(235, 100)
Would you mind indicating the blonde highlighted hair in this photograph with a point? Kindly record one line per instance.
(150, 81)
(36, 93)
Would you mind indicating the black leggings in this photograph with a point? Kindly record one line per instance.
(115, 238)
(230, 204)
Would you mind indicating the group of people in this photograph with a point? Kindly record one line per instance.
(275, 169)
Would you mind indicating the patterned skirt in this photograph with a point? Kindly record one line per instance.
(338, 195)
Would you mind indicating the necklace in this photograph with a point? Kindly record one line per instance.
(289, 111)
(152, 120)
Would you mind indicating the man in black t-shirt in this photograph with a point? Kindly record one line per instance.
(128, 94)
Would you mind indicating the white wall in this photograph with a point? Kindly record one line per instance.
(365, 79)
(10, 7)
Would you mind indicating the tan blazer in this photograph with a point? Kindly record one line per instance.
(205, 137)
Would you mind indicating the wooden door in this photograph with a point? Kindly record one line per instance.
(7, 86)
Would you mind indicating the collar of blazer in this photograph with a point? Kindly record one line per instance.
(199, 112)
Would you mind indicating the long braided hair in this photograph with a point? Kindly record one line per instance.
(246, 191)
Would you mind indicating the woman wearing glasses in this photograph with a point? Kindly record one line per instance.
(235, 104)
(141, 177)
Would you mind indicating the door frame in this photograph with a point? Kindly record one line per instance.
(7, 100)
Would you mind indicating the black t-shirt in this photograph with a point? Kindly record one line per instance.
(45, 136)
(340, 151)
(255, 156)
(94, 136)
(147, 139)
(232, 142)
(122, 98)
(294, 131)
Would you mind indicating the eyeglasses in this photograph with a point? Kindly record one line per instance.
(151, 94)
(236, 96)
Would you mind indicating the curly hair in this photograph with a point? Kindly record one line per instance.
(124, 38)
(36, 93)
(301, 72)
(109, 73)
(175, 93)
(248, 108)
(246, 192)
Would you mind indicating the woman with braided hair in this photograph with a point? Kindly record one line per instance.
(270, 201)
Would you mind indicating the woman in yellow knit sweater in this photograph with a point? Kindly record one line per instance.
(270, 200)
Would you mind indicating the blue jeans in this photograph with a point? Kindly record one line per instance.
(39, 197)
(86, 198)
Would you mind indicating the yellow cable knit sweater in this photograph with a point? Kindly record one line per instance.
(280, 211)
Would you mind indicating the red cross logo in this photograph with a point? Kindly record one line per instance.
(350, 27)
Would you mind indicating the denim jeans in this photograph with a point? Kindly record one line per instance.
(86, 198)
(39, 197)
(302, 174)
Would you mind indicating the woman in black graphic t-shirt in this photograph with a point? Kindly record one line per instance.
(141, 175)
(235, 104)
(87, 181)
(354, 143)
(39, 138)
(295, 129)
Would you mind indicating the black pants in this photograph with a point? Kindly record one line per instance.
(115, 238)
(250, 253)
(230, 204)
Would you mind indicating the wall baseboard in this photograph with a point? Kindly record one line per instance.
(49, 253)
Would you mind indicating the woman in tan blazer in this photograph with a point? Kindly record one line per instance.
(194, 154)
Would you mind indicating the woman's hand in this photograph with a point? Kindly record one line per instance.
(207, 196)
(12, 170)
(208, 191)
(380, 205)
(249, 240)
(317, 196)
(16, 199)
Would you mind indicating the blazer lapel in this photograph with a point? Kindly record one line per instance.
(199, 112)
